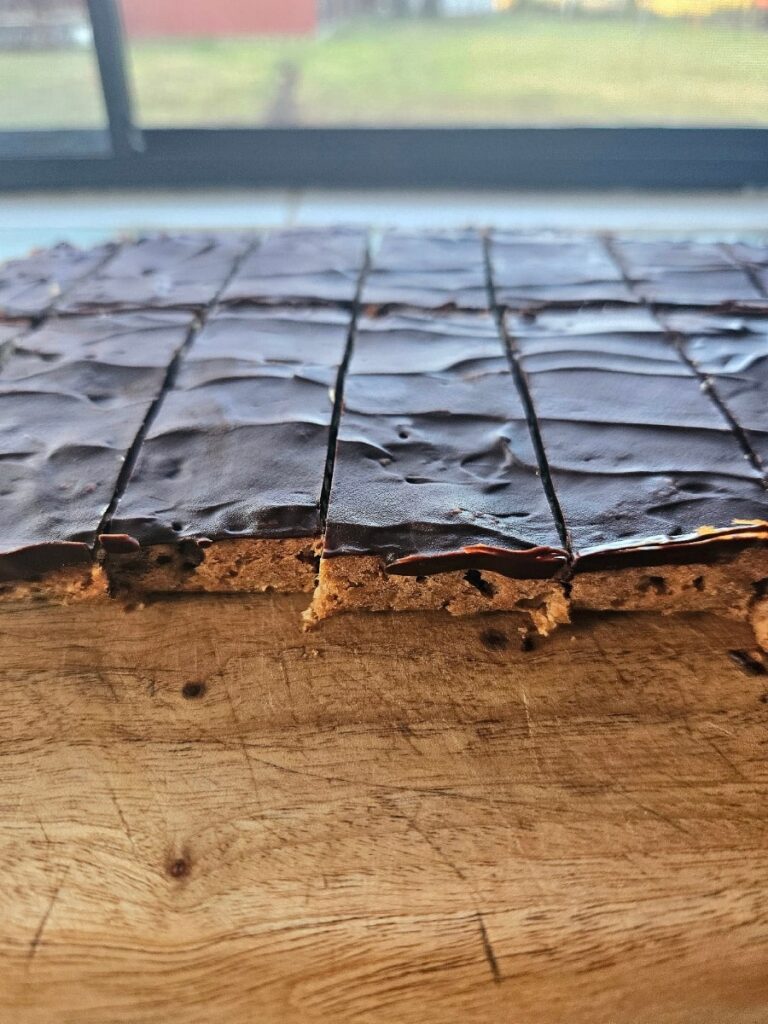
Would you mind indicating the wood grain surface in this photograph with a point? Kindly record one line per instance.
(208, 815)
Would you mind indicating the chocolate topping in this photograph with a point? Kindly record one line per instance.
(548, 270)
(436, 464)
(688, 274)
(308, 266)
(639, 457)
(427, 271)
(73, 395)
(8, 332)
(30, 286)
(238, 448)
(733, 353)
(754, 258)
(435, 469)
(159, 272)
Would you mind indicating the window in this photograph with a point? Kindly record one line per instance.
(48, 73)
(449, 62)
(385, 93)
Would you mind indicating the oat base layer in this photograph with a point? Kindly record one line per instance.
(728, 586)
(758, 620)
(734, 587)
(62, 586)
(349, 583)
(224, 567)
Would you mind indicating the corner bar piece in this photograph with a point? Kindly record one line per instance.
(436, 501)
(687, 273)
(29, 287)
(225, 495)
(533, 271)
(663, 509)
(159, 272)
(73, 395)
(303, 267)
(435, 271)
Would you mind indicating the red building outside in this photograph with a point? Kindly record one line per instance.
(146, 18)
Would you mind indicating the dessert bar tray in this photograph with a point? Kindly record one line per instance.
(467, 421)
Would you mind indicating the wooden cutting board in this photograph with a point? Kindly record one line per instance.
(208, 815)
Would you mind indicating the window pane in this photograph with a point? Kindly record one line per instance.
(406, 62)
(48, 71)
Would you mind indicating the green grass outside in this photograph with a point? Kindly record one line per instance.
(522, 69)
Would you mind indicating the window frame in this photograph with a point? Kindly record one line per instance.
(128, 156)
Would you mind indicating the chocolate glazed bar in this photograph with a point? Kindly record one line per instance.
(696, 274)
(159, 272)
(753, 257)
(73, 395)
(547, 270)
(662, 508)
(434, 271)
(29, 287)
(225, 495)
(303, 267)
(436, 500)
(732, 353)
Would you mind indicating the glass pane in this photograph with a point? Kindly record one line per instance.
(406, 62)
(48, 71)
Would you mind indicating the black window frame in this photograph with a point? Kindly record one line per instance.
(128, 156)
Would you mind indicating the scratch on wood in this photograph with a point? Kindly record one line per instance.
(37, 938)
(248, 760)
(289, 692)
(235, 718)
(528, 864)
(530, 731)
(44, 831)
(392, 808)
(720, 728)
(367, 784)
(121, 816)
(249, 764)
(490, 956)
(110, 686)
(610, 660)
(636, 864)
(404, 730)
(659, 815)
(724, 758)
